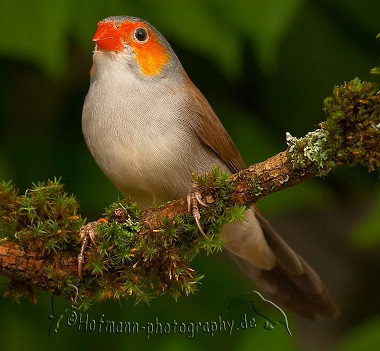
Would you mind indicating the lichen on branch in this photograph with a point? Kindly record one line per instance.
(350, 134)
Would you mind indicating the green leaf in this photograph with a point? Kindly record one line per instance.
(367, 233)
(220, 29)
(206, 31)
(366, 337)
(264, 23)
(34, 31)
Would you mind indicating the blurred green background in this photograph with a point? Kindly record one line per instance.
(265, 67)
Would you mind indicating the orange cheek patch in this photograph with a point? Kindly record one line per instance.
(151, 56)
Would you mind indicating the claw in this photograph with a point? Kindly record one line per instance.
(194, 198)
(86, 232)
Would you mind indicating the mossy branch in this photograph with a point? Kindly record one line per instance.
(147, 254)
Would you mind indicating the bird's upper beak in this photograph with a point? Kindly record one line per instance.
(108, 37)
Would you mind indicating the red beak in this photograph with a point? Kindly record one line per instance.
(108, 37)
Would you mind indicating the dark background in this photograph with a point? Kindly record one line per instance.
(265, 67)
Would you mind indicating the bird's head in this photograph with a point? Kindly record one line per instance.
(138, 41)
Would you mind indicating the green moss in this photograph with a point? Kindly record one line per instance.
(43, 220)
(353, 124)
(350, 134)
(376, 70)
(127, 259)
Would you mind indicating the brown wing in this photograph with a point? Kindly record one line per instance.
(211, 132)
(292, 282)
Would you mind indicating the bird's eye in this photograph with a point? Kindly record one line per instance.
(141, 35)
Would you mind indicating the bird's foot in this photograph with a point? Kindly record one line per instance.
(194, 199)
(87, 231)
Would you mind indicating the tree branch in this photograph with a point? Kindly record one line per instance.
(144, 254)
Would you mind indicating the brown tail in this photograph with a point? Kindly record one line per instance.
(292, 282)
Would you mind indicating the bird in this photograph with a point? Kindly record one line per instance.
(150, 129)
